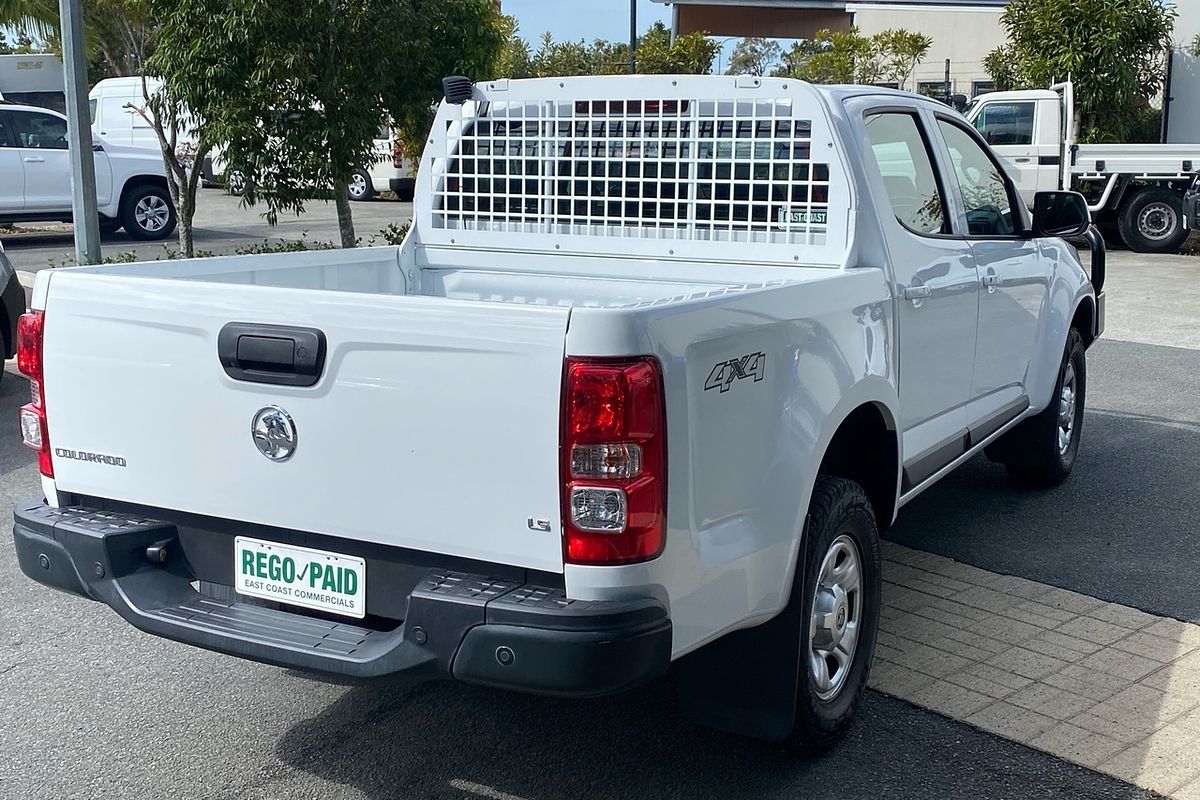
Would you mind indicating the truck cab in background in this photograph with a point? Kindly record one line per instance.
(1135, 192)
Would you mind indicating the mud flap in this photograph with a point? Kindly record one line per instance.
(746, 682)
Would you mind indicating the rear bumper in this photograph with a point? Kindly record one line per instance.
(497, 631)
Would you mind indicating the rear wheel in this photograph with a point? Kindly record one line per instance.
(1152, 221)
(841, 571)
(147, 213)
(1041, 450)
(360, 186)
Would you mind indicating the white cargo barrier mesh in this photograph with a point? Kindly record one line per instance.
(707, 168)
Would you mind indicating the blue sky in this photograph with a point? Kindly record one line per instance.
(572, 20)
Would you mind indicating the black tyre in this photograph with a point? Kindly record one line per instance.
(147, 213)
(360, 187)
(1151, 221)
(839, 619)
(1041, 450)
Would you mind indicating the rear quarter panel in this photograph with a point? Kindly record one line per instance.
(743, 452)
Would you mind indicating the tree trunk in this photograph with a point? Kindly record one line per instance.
(341, 196)
(186, 210)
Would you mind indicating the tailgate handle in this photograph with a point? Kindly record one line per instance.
(276, 354)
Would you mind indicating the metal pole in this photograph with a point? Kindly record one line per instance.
(633, 36)
(79, 135)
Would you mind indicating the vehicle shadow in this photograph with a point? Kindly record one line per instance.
(453, 740)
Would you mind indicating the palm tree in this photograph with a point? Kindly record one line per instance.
(38, 18)
(119, 34)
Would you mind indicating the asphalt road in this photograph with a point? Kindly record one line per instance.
(95, 709)
(221, 225)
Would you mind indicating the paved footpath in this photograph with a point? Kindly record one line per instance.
(1099, 684)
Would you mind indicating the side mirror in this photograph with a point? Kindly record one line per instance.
(1060, 214)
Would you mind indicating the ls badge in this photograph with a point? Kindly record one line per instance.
(274, 433)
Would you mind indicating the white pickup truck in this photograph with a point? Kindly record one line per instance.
(657, 362)
(1134, 191)
(35, 177)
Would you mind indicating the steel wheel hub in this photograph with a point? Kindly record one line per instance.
(152, 213)
(1158, 221)
(1066, 409)
(358, 186)
(836, 617)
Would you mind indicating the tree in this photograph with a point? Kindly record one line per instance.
(1113, 51)
(514, 59)
(293, 95)
(690, 54)
(1196, 46)
(850, 57)
(657, 54)
(754, 56)
(119, 34)
(899, 52)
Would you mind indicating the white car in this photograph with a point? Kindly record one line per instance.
(389, 172)
(35, 177)
(646, 380)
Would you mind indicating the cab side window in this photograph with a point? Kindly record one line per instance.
(907, 168)
(989, 204)
(39, 131)
(1006, 123)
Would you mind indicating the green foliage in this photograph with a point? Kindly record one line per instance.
(1113, 51)
(754, 56)
(850, 57)
(1196, 46)
(514, 59)
(295, 92)
(119, 33)
(392, 234)
(690, 54)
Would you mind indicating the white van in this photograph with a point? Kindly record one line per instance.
(113, 103)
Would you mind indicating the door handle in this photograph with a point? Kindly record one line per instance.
(1022, 160)
(917, 292)
(275, 354)
(31, 160)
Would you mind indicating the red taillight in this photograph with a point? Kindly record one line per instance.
(34, 434)
(613, 460)
(29, 343)
(397, 154)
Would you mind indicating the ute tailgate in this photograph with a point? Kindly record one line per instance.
(434, 424)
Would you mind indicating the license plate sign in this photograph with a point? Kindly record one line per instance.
(301, 576)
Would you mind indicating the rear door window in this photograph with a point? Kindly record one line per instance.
(906, 165)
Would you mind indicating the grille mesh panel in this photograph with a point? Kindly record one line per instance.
(704, 170)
